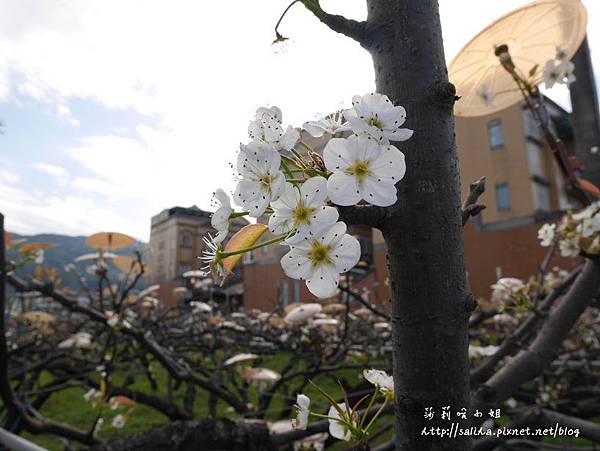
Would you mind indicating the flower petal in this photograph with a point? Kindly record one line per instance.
(324, 281)
(377, 193)
(339, 154)
(390, 164)
(346, 253)
(314, 191)
(342, 189)
(296, 264)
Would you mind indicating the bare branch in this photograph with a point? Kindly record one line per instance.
(512, 343)
(530, 362)
(470, 206)
(369, 215)
(348, 27)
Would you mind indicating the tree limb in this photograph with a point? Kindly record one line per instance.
(470, 205)
(530, 362)
(348, 27)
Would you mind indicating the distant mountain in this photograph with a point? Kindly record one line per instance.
(66, 249)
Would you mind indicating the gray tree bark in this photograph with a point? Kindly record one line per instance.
(586, 117)
(423, 232)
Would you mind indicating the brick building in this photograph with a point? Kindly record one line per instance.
(175, 244)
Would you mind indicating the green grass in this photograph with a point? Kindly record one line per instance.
(69, 406)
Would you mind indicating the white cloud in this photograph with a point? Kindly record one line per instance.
(200, 69)
(9, 177)
(95, 186)
(50, 169)
(31, 213)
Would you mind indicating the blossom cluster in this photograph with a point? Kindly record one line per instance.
(296, 191)
(345, 423)
(577, 233)
(559, 70)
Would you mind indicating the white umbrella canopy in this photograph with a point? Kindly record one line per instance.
(302, 313)
(109, 240)
(533, 33)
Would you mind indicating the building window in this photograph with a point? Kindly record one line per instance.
(364, 235)
(184, 267)
(495, 137)
(502, 197)
(534, 158)
(531, 128)
(248, 257)
(541, 196)
(285, 296)
(296, 291)
(186, 239)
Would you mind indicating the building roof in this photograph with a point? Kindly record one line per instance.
(179, 212)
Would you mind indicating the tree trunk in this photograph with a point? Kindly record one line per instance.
(586, 117)
(423, 231)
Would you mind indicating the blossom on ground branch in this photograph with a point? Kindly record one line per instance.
(577, 233)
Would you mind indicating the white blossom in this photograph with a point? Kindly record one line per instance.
(562, 54)
(363, 169)
(302, 412)
(220, 218)
(112, 319)
(331, 124)
(302, 210)
(586, 227)
(288, 140)
(39, 257)
(596, 222)
(262, 181)
(546, 234)
(373, 114)
(558, 72)
(211, 257)
(337, 428)
(482, 351)
(552, 74)
(486, 94)
(380, 379)
(320, 260)
(91, 393)
(266, 126)
(569, 247)
(505, 287)
(118, 421)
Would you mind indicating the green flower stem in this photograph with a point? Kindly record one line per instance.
(299, 157)
(326, 417)
(306, 146)
(251, 248)
(287, 171)
(237, 214)
(329, 398)
(383, 406)
(371, 402)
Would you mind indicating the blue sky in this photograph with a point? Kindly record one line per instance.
(114, 112)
